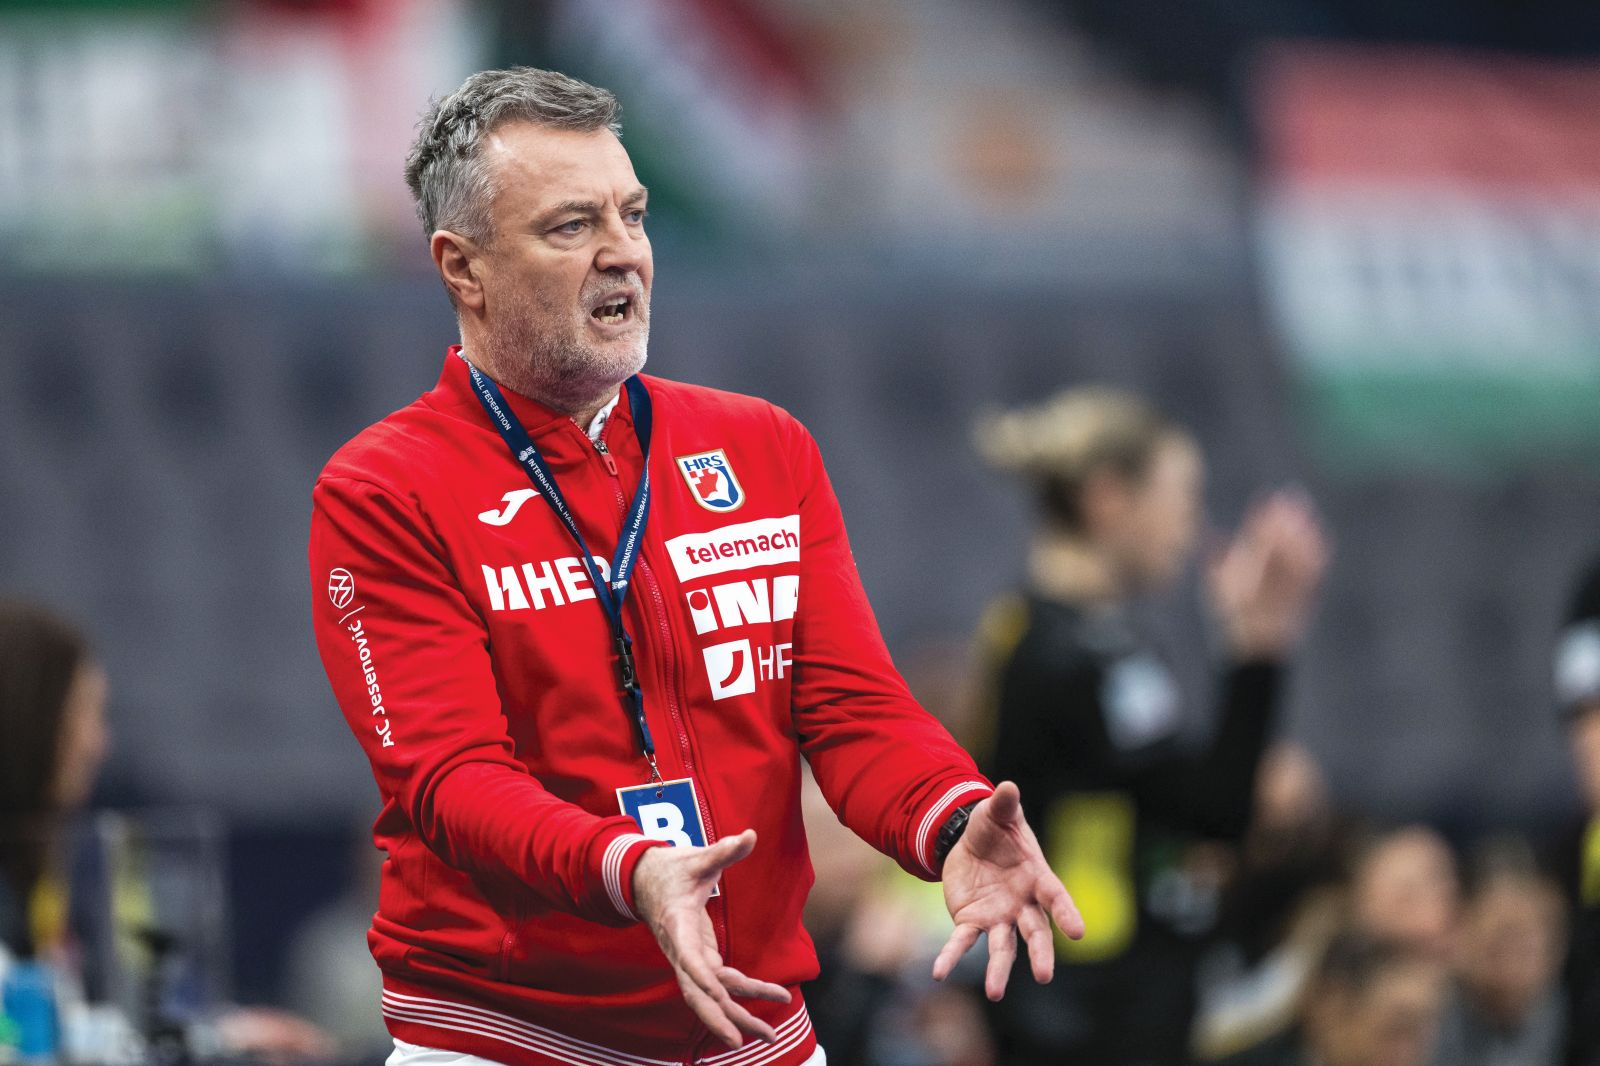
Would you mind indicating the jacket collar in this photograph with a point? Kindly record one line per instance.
(454, 392)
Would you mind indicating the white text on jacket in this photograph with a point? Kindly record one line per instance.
(541, 585)
(736, 547)
(369, 673)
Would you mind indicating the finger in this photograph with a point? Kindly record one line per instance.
(705, 1008)
(1002, 955)
(733, 1018)
(747, 1022)
(1064, 912)
(750, 988)
(1035, 930)
(727, 851)
(1005, 806)
(742, 1020)
(960, 942)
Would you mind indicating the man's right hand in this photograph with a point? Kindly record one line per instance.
(670, 889)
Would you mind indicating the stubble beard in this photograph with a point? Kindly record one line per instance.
(560, 367)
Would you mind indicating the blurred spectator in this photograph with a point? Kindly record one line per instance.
(1405, 890)
(1370, 1004)
(329, 978)
(1507, 1010)
(53, 721)
(52, 716)
(1284, 906)
(1578, 691)
(1088, 720)
(876, 932)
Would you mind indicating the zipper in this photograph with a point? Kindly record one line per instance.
(719, 918)
(719, 914)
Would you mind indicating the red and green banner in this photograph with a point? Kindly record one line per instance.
(1429, 228)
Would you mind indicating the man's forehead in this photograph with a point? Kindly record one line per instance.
(539, 163)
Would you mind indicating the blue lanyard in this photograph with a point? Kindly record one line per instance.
(610, 595)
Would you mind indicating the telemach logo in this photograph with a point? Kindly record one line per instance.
(741, 546)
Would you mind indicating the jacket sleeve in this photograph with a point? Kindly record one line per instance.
(888, 769)
(409, 662)
(1212, 792)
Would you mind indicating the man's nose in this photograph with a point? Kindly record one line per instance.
(621, 250)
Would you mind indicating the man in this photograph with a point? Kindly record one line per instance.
(575, 616)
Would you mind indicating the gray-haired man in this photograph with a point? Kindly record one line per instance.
(530, 908)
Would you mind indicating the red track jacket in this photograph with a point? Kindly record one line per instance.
(456, 626)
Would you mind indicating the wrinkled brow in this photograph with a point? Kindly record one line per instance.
(590, 208)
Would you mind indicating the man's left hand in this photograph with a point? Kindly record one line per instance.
(996, 881)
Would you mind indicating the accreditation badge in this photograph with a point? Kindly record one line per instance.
(673, 816)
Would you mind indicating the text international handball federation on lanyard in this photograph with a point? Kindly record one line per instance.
(609, 596)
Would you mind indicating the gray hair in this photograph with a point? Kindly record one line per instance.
(445, 168)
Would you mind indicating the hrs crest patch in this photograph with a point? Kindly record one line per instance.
(711, 480)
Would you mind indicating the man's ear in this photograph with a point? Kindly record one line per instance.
(460, 265)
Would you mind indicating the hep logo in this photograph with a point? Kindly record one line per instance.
(711, 480)
(341, 587)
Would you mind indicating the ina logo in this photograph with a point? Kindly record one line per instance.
(711, 480)
(341, 587)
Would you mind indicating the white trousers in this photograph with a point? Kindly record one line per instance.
(405, 1054)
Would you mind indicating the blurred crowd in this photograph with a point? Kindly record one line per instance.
(1330, 942)
(1236, 914)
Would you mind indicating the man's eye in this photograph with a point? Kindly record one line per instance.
(575, 226)
(636, 216)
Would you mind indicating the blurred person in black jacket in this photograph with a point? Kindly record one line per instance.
(1285, 902)
(1577, 670)
(1088, 720)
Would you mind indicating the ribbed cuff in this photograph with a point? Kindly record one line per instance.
(620, 855)
(933, 818)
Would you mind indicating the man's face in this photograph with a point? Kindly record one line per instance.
(566, 273)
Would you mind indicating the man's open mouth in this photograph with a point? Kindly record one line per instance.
(613, 313)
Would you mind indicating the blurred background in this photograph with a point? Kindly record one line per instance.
(1354, 246)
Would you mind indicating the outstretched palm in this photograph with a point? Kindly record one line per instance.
(996, 881)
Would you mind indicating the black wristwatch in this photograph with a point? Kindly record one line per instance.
(951, 831)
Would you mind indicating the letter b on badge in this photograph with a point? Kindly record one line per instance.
(673, 816)
(663, 821)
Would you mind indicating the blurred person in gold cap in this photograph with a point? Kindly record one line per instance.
(1087, 715)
